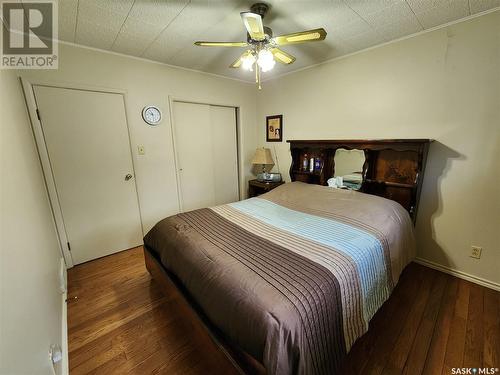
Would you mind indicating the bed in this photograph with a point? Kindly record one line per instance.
(290, 278)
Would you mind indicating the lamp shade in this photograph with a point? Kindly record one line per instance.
(263, 156)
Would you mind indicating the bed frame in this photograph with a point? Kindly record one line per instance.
(393, 169)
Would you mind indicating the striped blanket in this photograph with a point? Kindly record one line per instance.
(294, 276)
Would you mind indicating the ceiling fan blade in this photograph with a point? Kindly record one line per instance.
(221, 44)
(282, 56)
(253, 24)
(301, 37)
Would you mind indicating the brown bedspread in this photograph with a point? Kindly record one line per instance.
(292, 277)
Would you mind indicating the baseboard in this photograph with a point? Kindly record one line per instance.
(459, 274)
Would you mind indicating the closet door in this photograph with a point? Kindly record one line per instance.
(225, 154)
(206, 147)
(193, 138)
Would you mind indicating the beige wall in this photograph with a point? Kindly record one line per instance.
(443, 85)
(30, 301)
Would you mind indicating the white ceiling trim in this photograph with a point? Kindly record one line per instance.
(468, 18)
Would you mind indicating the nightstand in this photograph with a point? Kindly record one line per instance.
(256, 187)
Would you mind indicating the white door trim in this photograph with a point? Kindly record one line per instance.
(239, 146)
(43, 154)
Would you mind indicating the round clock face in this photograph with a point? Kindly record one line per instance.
(152, 115)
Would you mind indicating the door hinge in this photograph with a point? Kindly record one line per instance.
(38, 115)
(69, 246)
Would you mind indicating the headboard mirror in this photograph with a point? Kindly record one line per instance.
(391, 168)
(348, 168)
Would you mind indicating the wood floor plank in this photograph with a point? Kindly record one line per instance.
(456, 340)
(389, 335)
(125, 323)
(437, 350)
(491, 321)
(362, 350)
(415, 362)
(155, 324)
(474, 343)
(403, 344)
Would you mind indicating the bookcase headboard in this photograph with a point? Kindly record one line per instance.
(393, 168)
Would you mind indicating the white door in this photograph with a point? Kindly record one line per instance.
(89, 150)
(225, 154)
(207, 156)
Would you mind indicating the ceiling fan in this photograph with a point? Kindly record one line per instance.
(263, 49)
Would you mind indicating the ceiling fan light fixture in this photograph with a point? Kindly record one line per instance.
(248, 61)
(266, 60)
(263, 49)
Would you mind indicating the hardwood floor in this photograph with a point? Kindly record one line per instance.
(122, 322)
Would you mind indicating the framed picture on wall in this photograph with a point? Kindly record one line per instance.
(274, 128)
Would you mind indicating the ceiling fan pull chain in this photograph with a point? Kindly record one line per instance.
(258, 76)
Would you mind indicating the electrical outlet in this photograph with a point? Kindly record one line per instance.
(476, 252)
(141, 150)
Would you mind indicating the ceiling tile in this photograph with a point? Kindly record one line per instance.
(419, 6)
(446, 12)
(390, 14)
(157, 12)
(67, 11)
(310, 14)
(135, 36)
(399, 28)
(115, 6)
(477, 6)
(95, 35)
(356, 27)
(366, 7)
(364, 40)
(98, 25)
(194, 23)
(100, 16)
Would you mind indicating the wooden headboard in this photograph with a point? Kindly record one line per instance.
(393, 168)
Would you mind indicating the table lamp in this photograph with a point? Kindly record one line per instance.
(263, 157)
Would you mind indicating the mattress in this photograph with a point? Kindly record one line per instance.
(293, 276)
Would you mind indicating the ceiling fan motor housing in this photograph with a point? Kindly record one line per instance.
(260, 9)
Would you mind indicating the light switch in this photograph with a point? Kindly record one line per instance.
(141, 150)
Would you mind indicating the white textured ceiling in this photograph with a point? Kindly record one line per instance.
(164, 30)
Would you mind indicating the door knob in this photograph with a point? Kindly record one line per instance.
(128, 177)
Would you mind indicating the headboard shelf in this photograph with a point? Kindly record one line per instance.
(393, 168)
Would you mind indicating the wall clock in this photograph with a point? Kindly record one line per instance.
(151, 115)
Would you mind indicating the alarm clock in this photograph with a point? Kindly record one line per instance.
(269, 177)
(151, 115)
